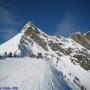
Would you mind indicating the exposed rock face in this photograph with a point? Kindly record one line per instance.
(83, 60)
(57, 47)
(82, 39)
(33, 33)
(88, 35)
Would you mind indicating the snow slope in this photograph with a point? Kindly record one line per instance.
(11, 45)
(30, 74)
(72, 72)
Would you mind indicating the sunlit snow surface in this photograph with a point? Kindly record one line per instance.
(11, 45)
(30, 74)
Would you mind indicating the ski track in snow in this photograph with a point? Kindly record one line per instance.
(30, 74)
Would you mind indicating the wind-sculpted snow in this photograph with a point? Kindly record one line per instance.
(30, 74)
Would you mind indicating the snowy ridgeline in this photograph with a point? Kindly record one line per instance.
(30, 74)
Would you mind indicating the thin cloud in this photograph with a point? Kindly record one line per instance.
(67, 25)
(6, 17)
(8, 24)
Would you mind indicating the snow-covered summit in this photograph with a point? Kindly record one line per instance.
(29, 24)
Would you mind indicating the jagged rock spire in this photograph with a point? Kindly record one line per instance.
(29, 24)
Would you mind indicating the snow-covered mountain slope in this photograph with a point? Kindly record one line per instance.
(30, 74)
(66, 54)
(11, 45)
(21, 44)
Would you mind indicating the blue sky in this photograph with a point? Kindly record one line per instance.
(52, 16)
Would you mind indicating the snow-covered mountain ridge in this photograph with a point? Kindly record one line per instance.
(68, 55)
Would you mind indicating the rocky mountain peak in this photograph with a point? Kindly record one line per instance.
(28, 25)
(87, 35)
(83, 39)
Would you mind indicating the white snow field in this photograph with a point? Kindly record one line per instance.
(30, 74)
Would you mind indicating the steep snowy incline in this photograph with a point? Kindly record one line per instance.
(11, 45)
(30, 74)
